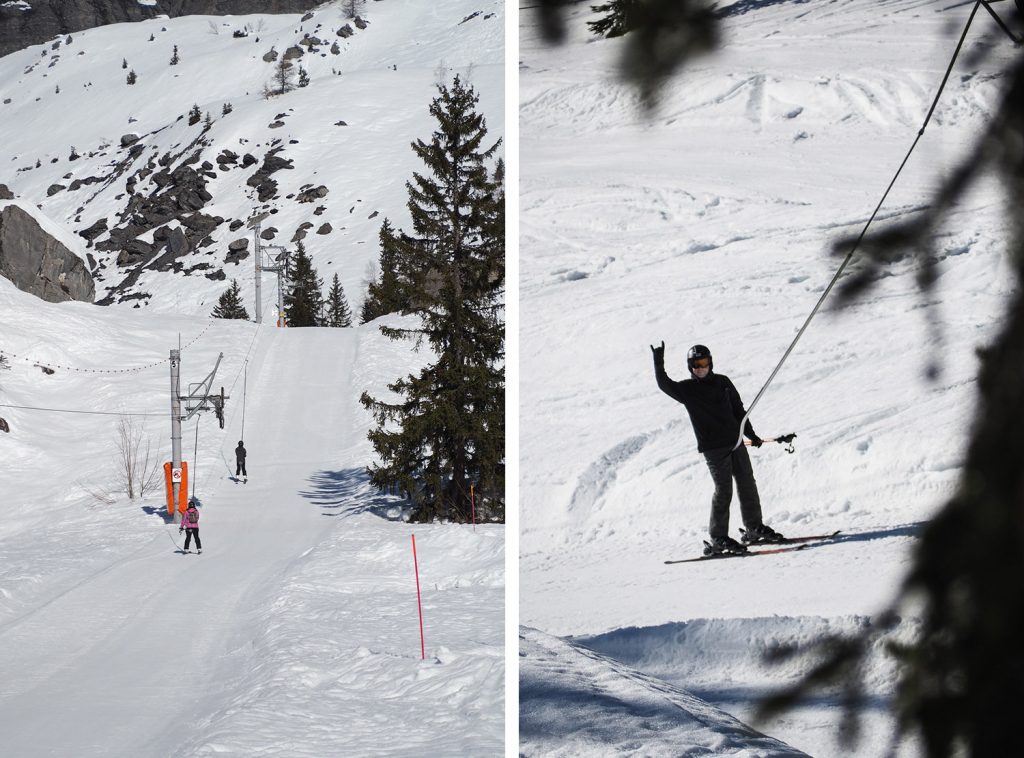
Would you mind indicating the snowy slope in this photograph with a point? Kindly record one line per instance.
(711, 223)
(578, 702)
(295, 633)
(303, 604)
(349, 130)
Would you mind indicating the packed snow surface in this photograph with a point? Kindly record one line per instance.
(296, 631)
(711, 222)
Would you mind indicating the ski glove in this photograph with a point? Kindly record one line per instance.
(756, 441)
(659, 352)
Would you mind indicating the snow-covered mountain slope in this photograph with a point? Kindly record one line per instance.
(160, 213)
(296, 631)
(711, 223)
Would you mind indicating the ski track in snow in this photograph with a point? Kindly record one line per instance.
(301, 607)
(608, 708)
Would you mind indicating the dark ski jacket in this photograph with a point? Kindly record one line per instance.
(714, 406)
(240, 452)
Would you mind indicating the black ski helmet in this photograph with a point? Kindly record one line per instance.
(698, 351)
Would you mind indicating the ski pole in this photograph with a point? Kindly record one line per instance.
(785, 439)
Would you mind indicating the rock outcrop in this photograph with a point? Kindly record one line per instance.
(37, 262)
(26, 24)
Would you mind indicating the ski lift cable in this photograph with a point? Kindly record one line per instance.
(195, 458)
(72, 410)
(245, 382)
(244, 372)
(245, 359)
(1002, 25)
(863, 232)
(129, 370)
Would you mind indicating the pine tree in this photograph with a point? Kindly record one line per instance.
(174, 58)
(195, 115)
(450, 418)
(387, 293)
(132, 78)
(124, 63)
(618, 18)
(230, 303)
(303, 77)
(304, 298)
(338, 312)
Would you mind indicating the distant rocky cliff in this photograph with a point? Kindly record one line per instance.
(28, 22)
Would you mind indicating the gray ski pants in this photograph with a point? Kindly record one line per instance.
(725, 465)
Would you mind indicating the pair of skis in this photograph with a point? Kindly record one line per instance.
(787, 545)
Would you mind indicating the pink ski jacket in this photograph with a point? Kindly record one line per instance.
(191, 519)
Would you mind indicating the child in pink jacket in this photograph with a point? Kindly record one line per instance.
(190, 525)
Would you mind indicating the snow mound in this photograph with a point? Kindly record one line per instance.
(573, 701)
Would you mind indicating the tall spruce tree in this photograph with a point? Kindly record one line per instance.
(230, 303)
(447, 430)
(304, 299)
(338, 312)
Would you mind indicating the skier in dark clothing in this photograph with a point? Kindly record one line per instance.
(240, 460)
(715, 410)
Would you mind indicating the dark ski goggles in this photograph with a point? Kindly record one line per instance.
(701, 363)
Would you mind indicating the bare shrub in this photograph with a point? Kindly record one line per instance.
(137, 463)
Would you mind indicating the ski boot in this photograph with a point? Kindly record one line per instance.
(720, 545)
(762, 535)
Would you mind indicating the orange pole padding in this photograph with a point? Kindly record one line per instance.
(170, 489)
(183, 488)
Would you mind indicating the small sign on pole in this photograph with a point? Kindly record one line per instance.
(419, 604)
(176, 475)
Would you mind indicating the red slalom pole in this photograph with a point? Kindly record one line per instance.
(419, 604)
(472, 505)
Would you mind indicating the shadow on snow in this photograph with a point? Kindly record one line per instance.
(349, 492)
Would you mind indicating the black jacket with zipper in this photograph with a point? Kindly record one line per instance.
(714, 406)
